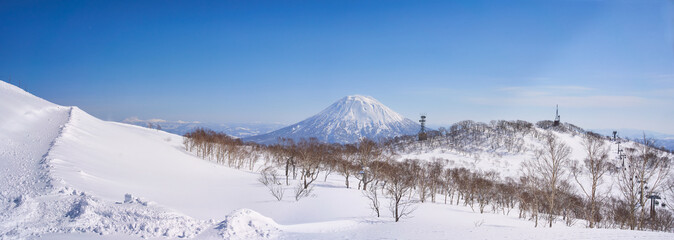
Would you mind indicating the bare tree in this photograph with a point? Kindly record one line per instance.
(669, 193)
(372, 195)
(311, 155)
(643, 174)
(594, 167)
(548, 165)
(652, 170)
(399, 188)
(346, 162)
(435, 171)
(331, 157)
(628, 183)
(368, 152)
(482, 190)
(287, 151)
(449, 186)
(530, 198)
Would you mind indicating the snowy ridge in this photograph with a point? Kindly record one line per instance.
(34, 200)
(346, 121)
(28, 126)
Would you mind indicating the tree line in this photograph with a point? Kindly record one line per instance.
(552, 187)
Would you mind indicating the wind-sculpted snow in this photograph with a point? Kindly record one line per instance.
(346, 121)
(34, 202)
(70, 211)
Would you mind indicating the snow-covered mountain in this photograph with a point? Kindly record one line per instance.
(239, 130)
(346, 121)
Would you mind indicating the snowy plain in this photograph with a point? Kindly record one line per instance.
(68, 175)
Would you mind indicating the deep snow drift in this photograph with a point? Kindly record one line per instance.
(346, 121)
(66, 174)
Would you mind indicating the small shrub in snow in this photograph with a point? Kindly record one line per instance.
(301, 191)
(269, 178)
(478, 223)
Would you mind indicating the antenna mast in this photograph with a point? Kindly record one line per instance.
(557, 118)
(422, 132)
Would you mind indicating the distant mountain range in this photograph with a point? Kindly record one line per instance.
(346, 121)
(325, 126)
(661, 139)
(239, 130)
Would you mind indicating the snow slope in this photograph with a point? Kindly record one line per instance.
(28, 125)
(33, 201)
(346, 121)
(68, 175)
(83, 175)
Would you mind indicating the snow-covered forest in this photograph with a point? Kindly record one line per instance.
(555, 174)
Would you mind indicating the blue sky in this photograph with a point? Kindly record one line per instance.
(608, 64)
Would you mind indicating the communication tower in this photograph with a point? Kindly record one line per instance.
(422, 132)
(615, 136)
(556, 122)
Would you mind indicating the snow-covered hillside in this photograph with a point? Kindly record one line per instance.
(68, 175)
(346, 121)
(65, 171)
(504, 148)
(39, 193)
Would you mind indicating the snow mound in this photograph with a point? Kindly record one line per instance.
(247, 224)
(78, 212)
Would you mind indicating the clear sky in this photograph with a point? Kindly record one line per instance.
(608, 64)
